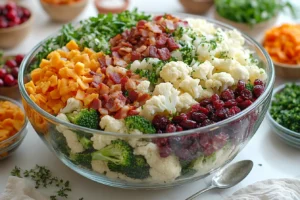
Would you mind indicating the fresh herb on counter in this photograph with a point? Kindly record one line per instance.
(44, 178)
(251, 11)
(94, 32)
(285, 108)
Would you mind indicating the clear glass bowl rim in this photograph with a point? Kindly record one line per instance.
(262, 98)
(275, 123)
(3, 98)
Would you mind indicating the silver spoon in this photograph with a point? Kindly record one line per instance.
(228, 176)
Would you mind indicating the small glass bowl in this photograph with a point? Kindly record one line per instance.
(292, 138)
(8, 146)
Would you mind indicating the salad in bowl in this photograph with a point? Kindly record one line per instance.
(140, 101)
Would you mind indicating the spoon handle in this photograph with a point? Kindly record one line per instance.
(200, 192)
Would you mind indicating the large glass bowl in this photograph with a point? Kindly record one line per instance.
(219, 143)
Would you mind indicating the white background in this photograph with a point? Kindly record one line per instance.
(272, 158)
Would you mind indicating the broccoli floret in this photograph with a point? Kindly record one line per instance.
(140, 123)
(85, 140)
(60, 142)
(187, 168)
(119, 153)
(88, 118)
(83, 159)
(139, 169)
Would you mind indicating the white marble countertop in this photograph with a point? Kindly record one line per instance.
(272, 158)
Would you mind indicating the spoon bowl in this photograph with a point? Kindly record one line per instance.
(228, 176)
(233, 174)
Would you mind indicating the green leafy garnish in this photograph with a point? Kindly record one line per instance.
(151, 74)
(44, 178)
(251, 11)
(94, 32)
(285, 108)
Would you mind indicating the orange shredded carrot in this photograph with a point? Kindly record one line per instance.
(283, 43)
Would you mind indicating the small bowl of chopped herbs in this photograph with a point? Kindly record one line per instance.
(284, 113)
(250, 15)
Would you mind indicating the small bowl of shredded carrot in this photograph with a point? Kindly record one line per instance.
(13, 126)
(283, 45)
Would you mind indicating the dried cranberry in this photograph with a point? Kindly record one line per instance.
(11, 63)
(180, 118)
(218, 104)
(15, 72)
(199, 117)
(227, 95)
(19, 58)
(171, 128)
(205, 102)
(241, 85)
(239, 99)
(206, 122)
(234, 110)
(203, 110)
(1, 83)
(210, 108)
(3, 22)
(215, 97)
(3, 72)
(245, 104)
(222, 113)
(246, 94)
(188, 124)
(230, 103)
(179, 128)
(165, 151)
(258, 90)
(9, 80)
(195, 107)
(258, 82)
(160, 122)
(11, 6)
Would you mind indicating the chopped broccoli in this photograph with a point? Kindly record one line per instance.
(60, 142)
(83, 159)
(140, 123)
(88, 118)
(139, 169)
(249, 87)
(186, 168)
(85, 140)
(119, 153)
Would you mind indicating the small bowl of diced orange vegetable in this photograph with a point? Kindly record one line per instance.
(13, 126)
(63, 10)
(283, 45)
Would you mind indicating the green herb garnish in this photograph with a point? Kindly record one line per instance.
(251, 11)
(43, 177)
(94, 32)
(285, 108)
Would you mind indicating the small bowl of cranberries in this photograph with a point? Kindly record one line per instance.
(15, 24)
(9, 70)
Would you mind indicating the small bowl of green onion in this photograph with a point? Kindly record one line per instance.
(284, 113)
(249, 15)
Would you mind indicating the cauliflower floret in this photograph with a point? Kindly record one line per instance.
(201, 26)
(239, 72)
(235, 38)
(185, 101)
(175, 72)
(145, 64)
(220, 81)
(61, 128)
(191, 86)
(164, 100)
(72, 141)
(99, 166)
(143, 87)
(202, 71)
(161, 169)
(108, 124)
(256, 73)
(221, 65)
(72, 105)
(207, 93)
(134, 142)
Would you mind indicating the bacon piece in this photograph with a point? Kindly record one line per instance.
(115, 102)
(170, 25)
(143, 98)
(122, 113)
(133, 95)
(115, 88)
(103, 111)
(141, 48)
(115, 77)
(153, 52)
(141, 24)
(136, 56)
(132, 112)
(130, 85)
(172, 45)
(153, 27)
(103, 89)
(164, 54)
(102, 61)
(96, 104)
(161, 41)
